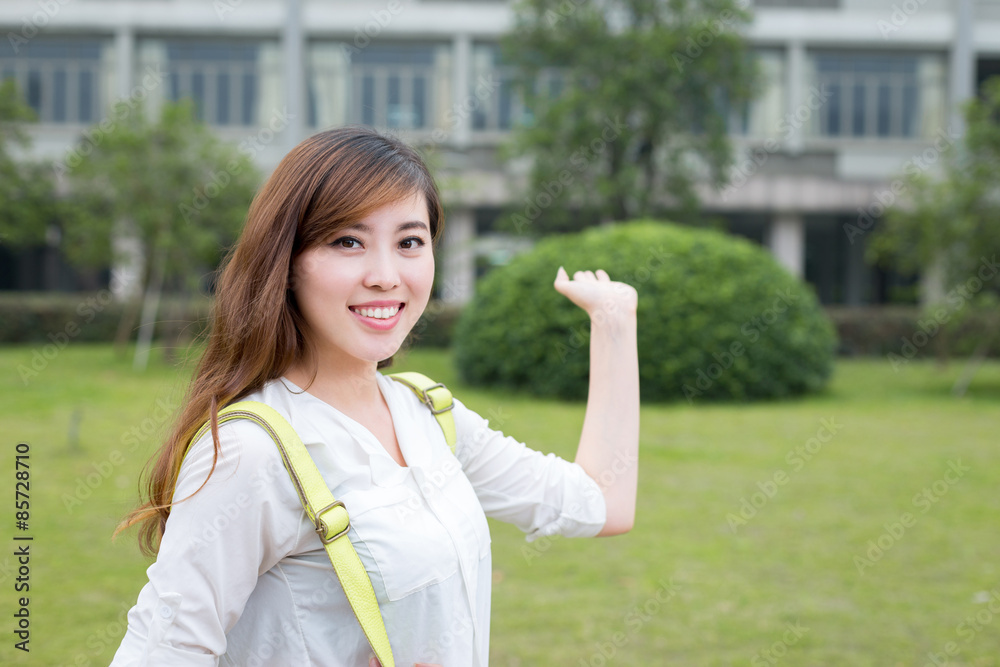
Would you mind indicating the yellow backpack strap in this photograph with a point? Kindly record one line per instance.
(328, 515)
(435, 396)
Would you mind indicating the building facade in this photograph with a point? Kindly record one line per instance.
(857, 93)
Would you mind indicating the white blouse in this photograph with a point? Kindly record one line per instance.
(242, 579)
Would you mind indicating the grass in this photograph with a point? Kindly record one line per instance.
(689, 586)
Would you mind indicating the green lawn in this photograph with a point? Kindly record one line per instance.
(691, 585)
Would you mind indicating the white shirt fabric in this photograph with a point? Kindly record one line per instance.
(241, 577)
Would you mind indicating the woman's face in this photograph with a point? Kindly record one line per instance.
(362, 293)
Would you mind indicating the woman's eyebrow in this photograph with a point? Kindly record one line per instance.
(403, 226)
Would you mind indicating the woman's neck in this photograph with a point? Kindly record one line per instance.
(349, 387)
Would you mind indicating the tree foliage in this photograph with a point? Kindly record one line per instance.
(629, 105)
(951, 222)
(952, 218)
(172, 194)
(27, 188)
(171, 186)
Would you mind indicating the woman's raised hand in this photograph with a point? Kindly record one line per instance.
(594, 291)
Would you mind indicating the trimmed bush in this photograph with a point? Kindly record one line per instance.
(718, 318)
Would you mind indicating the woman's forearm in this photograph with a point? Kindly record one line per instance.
(609, 443)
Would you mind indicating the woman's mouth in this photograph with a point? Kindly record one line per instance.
(379, 318)
(382, 313)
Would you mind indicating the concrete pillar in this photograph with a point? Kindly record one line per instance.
(857, 275)
(461, 90)
(124, 61)
(458, 256)
(787, 241)
(962, 77)
(795, 85)
(292, 44)
(129, 263)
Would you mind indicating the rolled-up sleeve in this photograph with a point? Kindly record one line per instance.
(541, 494)
(218, 541)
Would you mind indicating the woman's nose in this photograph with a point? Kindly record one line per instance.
(382, 271)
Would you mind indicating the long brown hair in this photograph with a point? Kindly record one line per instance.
(327, 182)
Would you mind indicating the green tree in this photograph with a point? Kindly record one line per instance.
(951, 220)
(169, 191)
(27, 189)
(629, 103)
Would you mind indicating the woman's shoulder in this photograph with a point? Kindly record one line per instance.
(244, 438)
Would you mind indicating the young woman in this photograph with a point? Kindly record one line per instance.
(332, 271)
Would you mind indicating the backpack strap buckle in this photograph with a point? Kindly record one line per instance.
(323, 529)
(443, 398)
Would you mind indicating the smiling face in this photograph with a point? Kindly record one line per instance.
(361, 293)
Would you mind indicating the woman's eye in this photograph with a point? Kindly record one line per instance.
(411, 242)
(346, 242)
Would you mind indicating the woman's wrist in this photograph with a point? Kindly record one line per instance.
(614, 312)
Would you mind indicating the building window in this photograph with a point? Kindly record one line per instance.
(404, 86)
(391, 85)
(878, 95)
(59, 78)
(503, 107)
(499, 103)
(221, 78)
(763, 115)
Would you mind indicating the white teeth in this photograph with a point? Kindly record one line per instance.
(377, 313)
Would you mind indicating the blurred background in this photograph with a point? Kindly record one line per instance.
(821, 177)
(895, 75)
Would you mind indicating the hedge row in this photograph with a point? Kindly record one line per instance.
(909, 331)
(94, 317)
(91, 317)
(869, 331)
